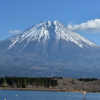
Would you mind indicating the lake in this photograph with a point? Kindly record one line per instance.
(45, 95)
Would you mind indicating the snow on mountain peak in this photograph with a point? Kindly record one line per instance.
(47, 30)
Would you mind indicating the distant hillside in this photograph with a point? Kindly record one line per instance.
(51, 84)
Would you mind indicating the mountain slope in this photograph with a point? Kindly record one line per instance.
(49, 30)
(48, 47)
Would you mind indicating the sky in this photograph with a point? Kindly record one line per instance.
(81, 16)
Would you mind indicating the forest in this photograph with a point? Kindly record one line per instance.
(25, 81)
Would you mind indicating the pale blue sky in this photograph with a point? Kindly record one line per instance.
(19, 15)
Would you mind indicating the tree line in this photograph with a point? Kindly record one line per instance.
(88, 79)
(25, 81)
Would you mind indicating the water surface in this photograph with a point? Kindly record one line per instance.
(45, 95)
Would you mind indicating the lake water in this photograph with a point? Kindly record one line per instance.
(44, 95)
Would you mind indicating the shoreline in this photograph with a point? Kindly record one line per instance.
(34, 89)
(31, 89)
(52, 90)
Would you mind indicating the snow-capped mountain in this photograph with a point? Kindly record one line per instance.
(48, 30)
(48, 48)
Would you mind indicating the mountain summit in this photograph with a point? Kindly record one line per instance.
(48, 48)
(48, 30)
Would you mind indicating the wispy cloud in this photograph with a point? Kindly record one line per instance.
(15, 31)
(92, 26)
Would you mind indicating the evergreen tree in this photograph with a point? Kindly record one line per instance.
(24, 83)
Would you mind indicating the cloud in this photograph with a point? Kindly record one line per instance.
(15, 31)
(92, 26)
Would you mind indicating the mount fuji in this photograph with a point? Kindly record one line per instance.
(49, 49)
